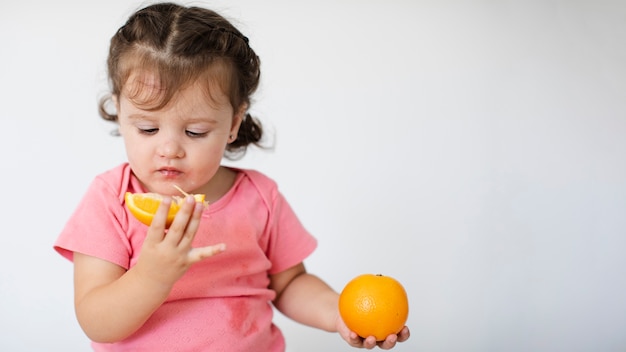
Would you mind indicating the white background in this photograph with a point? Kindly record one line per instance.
(474, 150)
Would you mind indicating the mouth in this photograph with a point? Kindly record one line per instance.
(169, 171)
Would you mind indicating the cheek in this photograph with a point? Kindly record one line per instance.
(207, 153)
(135, 150)
(207, 157)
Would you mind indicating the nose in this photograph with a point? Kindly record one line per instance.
(171, 149)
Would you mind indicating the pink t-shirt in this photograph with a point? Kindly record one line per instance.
(222, 303)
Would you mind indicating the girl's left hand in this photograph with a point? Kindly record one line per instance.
(354, 340)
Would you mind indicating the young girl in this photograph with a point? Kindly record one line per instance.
(181, 84)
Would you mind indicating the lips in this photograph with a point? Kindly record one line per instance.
(169, 171)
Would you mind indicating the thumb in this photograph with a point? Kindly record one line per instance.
(197, 254)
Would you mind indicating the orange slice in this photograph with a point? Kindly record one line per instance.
(144, 206)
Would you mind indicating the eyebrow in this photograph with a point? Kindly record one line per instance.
(189, 120)
(137, 117)
(204, 119)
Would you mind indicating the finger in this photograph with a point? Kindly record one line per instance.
(192, 225)
(404, 334)
(355, 339)
(177, 229)
(389, 342)
(369, 342)
(156, 231)
(200, 253)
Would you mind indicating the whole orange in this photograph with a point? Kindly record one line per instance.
(374, 305)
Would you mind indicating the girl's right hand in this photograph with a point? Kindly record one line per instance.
(112, 302)
(167, 254)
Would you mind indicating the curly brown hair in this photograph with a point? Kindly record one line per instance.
(180, 45)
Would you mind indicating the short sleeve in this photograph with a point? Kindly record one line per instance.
(290, 242)
(96, 227)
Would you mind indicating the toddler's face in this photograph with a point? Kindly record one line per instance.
(181, 144)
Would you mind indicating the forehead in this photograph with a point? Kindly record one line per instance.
(154, 78)
(148, 90)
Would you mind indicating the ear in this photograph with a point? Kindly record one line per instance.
(238, 117)
(116, 104)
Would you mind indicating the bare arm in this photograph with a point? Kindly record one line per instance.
(305, 298)
(112, 303)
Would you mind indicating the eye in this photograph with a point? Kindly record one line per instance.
(148, 131)
(194, 134)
